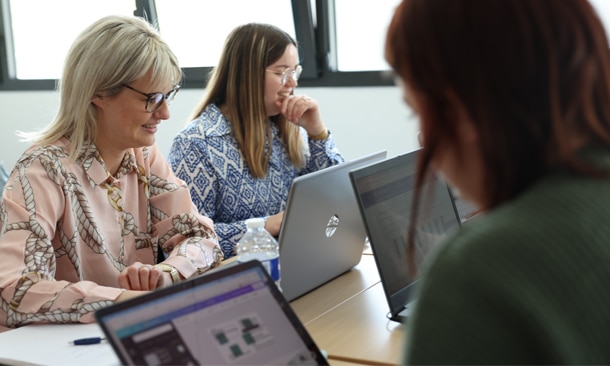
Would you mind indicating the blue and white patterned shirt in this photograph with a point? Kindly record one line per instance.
(206, 156)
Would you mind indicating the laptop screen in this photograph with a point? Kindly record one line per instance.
(385, 194)
(231, 316)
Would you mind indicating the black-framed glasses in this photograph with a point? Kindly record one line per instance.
(154, 100)
(289, 73)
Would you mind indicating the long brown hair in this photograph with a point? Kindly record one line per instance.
(530, 74)
(238, 83)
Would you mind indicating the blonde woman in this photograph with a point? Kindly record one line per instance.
(92, 206)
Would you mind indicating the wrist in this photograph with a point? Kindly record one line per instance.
(171, 270)
(321, 136)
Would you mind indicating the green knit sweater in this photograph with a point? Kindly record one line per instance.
(527, 284)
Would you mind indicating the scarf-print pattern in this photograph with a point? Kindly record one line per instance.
(80, 235)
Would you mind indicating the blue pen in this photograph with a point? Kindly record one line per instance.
(86, 341)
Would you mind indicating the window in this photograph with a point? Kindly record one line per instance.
(603, 9)
(361, 27)
(35, 35)
(196, 31)
(41, 37)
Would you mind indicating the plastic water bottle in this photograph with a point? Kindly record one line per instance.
(257, 243)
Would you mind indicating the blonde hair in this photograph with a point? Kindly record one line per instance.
(111, 52)
(238, 84)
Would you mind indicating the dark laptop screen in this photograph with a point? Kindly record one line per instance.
(385, 194)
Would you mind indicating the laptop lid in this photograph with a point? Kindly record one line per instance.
(384, 192)
(235, 315)
(322, 233)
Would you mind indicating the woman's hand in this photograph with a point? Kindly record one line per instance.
(274, 223)
(143, 277)
(302, 111)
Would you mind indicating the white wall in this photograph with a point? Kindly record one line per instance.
(363, 120)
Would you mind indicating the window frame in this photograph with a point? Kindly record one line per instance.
(316, 48)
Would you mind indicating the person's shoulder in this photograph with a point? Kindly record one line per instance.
(511, 224)
(481, 252)
(493, 234)
(58, 150)
(50, 159)
(554, 209)
(561, 198)
(209, 124)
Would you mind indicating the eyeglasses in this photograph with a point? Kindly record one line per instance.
(294, 74)
(154, 100)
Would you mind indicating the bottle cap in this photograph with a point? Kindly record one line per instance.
(255, 222)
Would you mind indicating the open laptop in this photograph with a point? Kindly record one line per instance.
(235, 315)
(322, 233)
(385, 192)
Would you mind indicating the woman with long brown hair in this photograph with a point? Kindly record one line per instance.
(250, 135)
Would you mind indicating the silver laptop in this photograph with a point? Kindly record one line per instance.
(385, 192)
(322, 233)
(235, 315)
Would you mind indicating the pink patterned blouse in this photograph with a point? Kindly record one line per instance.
(68, 230)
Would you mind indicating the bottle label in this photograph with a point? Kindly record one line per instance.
(273, 268)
